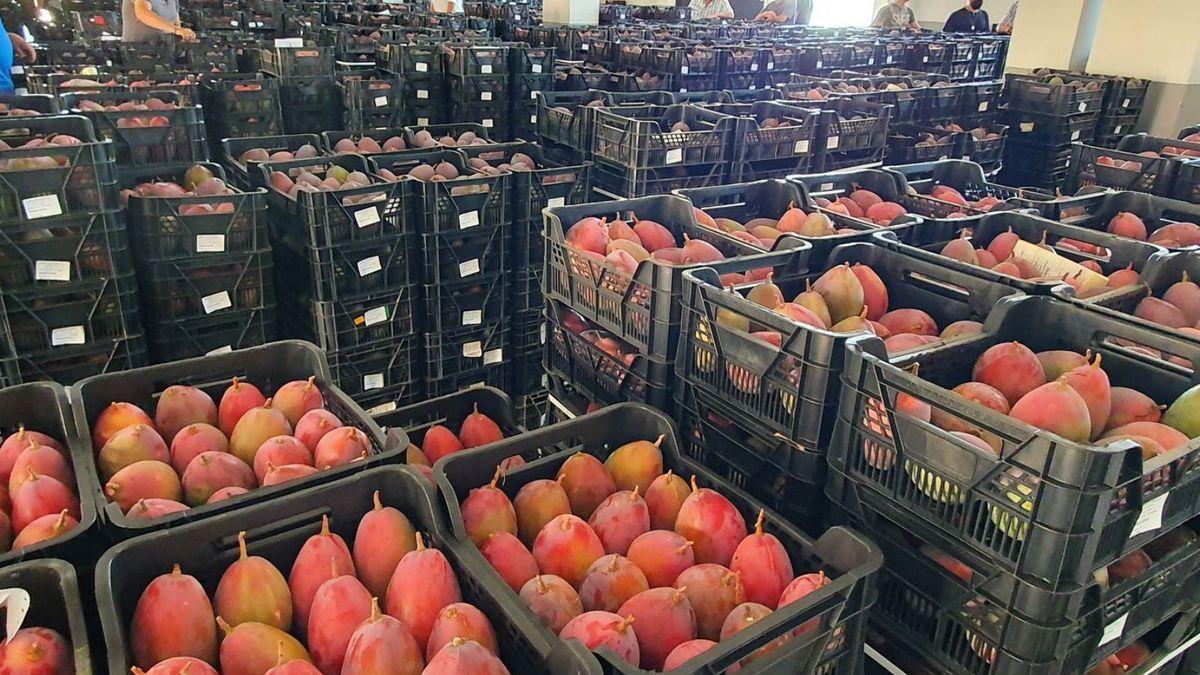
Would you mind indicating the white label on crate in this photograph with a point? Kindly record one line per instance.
(210, 243)
(422, 93)
(943, 158)
(473, 350)
(683, 70)
(584, 47)
(220, 350)
(382, 408)
(983, 106)
(1150, 519)
(924, 59)
(533, 95)
(52, 270)
(966, 158)
(871, 61)
(542, 333)
(683, 90)
(1125, 103)
(1117, 130)
(674, 155)
(372, 381)
(289, 42)
(472, 317)
(422, 121)
(754, 67)
(468, 268)
(1026, 127)
(1075, 135)
(367, 216)
(421, 67)
(493, 356)
(216, 302)
(486, 69)
(819, 64)
(770, 65)
(1083, 106)
(537, 67)
(488, 123)
(15, 602)
(234, 23)
(381, 101)
(801, 147)
(468, 219)
(18, 70)
(833, 142)
(42, 207)
(374, 316)
(69, 335)
(533, 119)
(485, 96)
(825, 187)
(369, 266)
(556, 201)
(1114, 629)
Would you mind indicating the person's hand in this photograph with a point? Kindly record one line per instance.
(22, 48)
(186, 34)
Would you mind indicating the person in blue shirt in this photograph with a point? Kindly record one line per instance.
(12, 45)
(969, 19)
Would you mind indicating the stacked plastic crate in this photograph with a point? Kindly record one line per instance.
(479, 87)
(1045, 114)
(239, 105)
(68, 295)
(345, 267)
(307, 96)
(420, 67)
(203, 260)
(1123, 102)
(531, 70)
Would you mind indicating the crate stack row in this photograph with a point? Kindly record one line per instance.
(68, 294)
(308, 95)
(1124, 98)
(1045, 114)
(240, 104)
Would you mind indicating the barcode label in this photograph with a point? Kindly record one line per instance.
(44, 206)
(372, 381)
(473, 350)
(487, 124)
(1114, 629)
(1117, 130)
(69, 335)
(369, 266)
(1075, 135)
(226, 349)
(537, 67)
(381, 101)
(485, 96)
(52, 270)
(533, 119)
(422, 93)
(210, 243)
(381, 408)
(674, 156)
(833, 143)
(1026, 127)
(422, 121)
(1083, 106)
(366, 217)
(584, 47)
(216, 302)
(871, 61)
(754, 67)
(1150, 519)
(924, 59)
(493, 356)
(472, 317)
(1125, 103)
(542, 334)
(819, 64)
(826, 187)
(468, 268)
(421, 67)
(983, 106)
(468, 219)
(556, 201)
(533, 96)
(486, 69)
(683, 70)
(374, 316)
(801, 147)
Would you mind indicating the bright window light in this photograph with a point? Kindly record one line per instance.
(842, 12)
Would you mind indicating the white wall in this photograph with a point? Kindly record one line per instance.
(1155, 40)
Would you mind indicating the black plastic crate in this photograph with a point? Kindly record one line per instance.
(175, 290)
(526, 291)
(986, 151)
(981, 98)
(641, 308)
(564, 117)
(147, 57)
(1126, 94)
(268, 367)
(55, 603)
(1096, 210)
(1049, 130)
(426, 104)
(380, 135)
(849, 559)
(165, 228)
(494, 375)
(1110, 129)
(1078, 94)
(450, 411)
(532, 409)
(467, 59)
(927, 54)
(465, 350)
(297, 62)
(454, 306)
(87, 249)
(380, 401)
(27, 105)
(172, 133)
(309, 104)
(43, 407)
(908, 143)
(277, 530)
(218, 334)
(526, 60)
(361, 372)
(857, 126)
(414, 59)
(967, 177)
(202, 57)
(371, 103)
(749, 459)
(244, 173)
(453, 207)
(793, 138)
(333, 217)
(639, 138)
(793, 390)
(601, 376)
(548, 184)
(36, 324)
(1121, 170)
(231, 97)
(340, 325)
(1049, 510)
(54, 180)
(346, 271)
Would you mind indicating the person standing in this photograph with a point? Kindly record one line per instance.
(445, 6)
(784, 11)
(968, 19)
(152, 20)
(1009, 18)
(711, 9)
(896, 14)
(12, 45)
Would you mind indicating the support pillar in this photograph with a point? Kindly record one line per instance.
(1054, 34)
(571, 12)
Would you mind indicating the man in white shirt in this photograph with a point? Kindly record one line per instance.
(445, 6)
(711, 9)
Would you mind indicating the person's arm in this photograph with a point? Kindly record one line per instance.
(1006, 22)
(723, 10)
(21, 48)
(146, 14)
